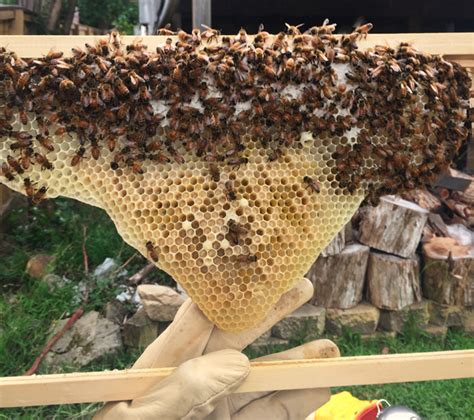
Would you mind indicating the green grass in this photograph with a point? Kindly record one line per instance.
(28, 307)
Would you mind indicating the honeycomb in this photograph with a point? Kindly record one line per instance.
(236, 216)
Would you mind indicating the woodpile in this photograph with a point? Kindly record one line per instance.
(409, 252)
(339, 279)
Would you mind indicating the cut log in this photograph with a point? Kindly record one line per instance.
(339, 280)
(448, 275)
(467, 196)
(336, 245)
(394, 226)
(392, 282)
(424, 199)
(437, 224)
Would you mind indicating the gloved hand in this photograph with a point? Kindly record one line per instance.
(199, 386)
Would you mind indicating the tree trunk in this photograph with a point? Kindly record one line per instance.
(394, 226)
(339, 280)
(54, 12)
(392, 282)
(69, 17)
(448, 275)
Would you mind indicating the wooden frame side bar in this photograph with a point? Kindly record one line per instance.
(264, 376)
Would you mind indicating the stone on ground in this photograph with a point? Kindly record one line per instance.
(160, 302)
(139, 331)
(450, 316)
(437, 331)
(37, 265)
(395, 320)
(116, 312)
(262, 344)
(362, 319)
(90, 338)
(306, 323)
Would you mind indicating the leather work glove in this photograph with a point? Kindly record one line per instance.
(211, 367)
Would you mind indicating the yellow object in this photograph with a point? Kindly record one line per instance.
(343, 406)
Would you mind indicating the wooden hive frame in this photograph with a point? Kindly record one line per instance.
(265, 376)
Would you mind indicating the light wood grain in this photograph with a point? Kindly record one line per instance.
(264, 376)
(457, 45)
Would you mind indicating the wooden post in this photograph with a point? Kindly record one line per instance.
(201, 13)
(18, 24)
(264, 376)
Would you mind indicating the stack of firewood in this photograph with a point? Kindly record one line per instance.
(405, 250)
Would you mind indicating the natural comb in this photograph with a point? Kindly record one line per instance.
(230, 161)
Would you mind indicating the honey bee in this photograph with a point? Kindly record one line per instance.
(230, 192)
(235, 231)
(29, 188)
(134, 164)
(279, 42)
(152, 251)
(43, 161)
(214, 172)
(111, 143)
(313, 185)
(122, 89)
(210, 34)
(144, 94)
(115, 39)
(78, 156)
(159, 157)
(106, 92)
(95, 150)
(261, 37)
(6, 172)
(293, 30)
(246, 259)
(15, 165)
(166, 31)
(363, 30)
(23, 116)
(39, 196)
(20, 144)
(175, 155)
(274, 155)
(26, 155)
(46, 141)
(67, 86)
(241, 36)
(22, 80)
(237, 161)
(53, 55)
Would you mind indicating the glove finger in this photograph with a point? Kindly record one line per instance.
(291, 300)
(194, 388)
(184, 339)
(285, 405)
(316, 349)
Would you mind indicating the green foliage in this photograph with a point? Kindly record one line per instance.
(28, 308)
(26, 317)
(122, 14)
(434, 400)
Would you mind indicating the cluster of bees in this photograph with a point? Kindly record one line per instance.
(204, 93)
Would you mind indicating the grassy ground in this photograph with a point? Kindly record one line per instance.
(28, 307)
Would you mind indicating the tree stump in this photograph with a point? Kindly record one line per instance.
(392, 282)
(394, 226)
(336, 245)
(339, 280)
(448, 275)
